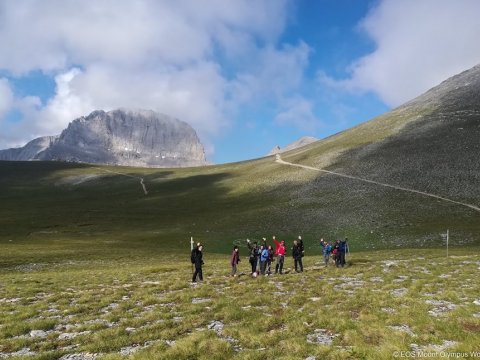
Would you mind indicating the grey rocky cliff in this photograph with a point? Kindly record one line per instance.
(294, 145)
(31, 151)
(127, 137)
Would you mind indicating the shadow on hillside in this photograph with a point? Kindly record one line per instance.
(199, 186)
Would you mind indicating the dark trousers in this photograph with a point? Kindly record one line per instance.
(340, 259)
(279, 266)
(269, 267)
(198, 271)
(263, 267)
(253, 262)
(298, 261)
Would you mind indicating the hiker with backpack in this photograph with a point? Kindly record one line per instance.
(253, 257)
(342, 250)
(326, 250)
(197, 260)
(271, 258)
(335, 254)
(297, 255)
(263, 259)
(234, 260)
(280, 252)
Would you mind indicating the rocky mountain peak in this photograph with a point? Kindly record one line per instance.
(125, 137)
(303, 141)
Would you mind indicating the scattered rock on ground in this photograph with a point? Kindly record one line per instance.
(79, 356)
(128, 350)
(200, 300)
(403, 328)
(38, 334)
(388, 264)
(69, 336)
(321, 337)
(399, 292)
(438, 348)
(441, 307)
(216, 326)
(21, 352)
(388, 310)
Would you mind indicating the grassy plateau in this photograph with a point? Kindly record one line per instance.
(94, 260)
(92, 268)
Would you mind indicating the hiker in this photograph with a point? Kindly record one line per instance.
(342, 250)
(263, 259)
(234, 260)
(197, 259)
(280, 252)
(300, 243)
(326, 250)
(297, 255)
(260, 253)
(271, 254)
(253, 258)
(335, 252)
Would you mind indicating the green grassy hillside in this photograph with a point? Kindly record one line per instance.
(430, 145)
(91, 267)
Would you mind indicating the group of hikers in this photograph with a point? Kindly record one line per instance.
(262, 256)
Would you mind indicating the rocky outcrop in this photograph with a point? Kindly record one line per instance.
(125, 137)
(31, 151)
(295, 145)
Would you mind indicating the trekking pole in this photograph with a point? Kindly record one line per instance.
(347, 251)
(191, 250)
(447, 242)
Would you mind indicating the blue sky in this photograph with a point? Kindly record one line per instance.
(246, 74)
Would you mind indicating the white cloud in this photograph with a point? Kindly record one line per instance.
(55, 34)
(6, 97)
(153, 54)
(419, 43)
(298, 112)
(272, 72)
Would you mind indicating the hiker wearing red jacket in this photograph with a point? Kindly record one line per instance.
(280, 251)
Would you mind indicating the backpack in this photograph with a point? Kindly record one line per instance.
(193, 256)
(264, 256)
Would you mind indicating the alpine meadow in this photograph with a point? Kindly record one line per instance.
(95, 260)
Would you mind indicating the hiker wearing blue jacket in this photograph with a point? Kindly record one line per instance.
(264, 255)
(326, 251)
(342, 250)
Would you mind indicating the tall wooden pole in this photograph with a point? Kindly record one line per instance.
(447, 243)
